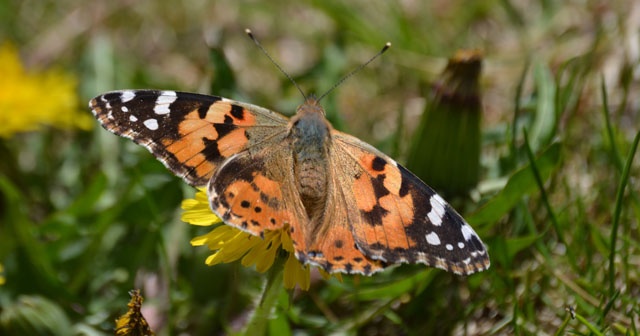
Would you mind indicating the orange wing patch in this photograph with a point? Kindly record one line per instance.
(206, 138)
(223, 112)
(245, 195)
(385, 213)
(251, 209)
(336, 251)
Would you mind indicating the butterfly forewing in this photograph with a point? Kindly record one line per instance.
(190, 133)
(397, 218)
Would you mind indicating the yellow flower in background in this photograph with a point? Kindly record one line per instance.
(1, 275)
(231, 244)
(31, 99)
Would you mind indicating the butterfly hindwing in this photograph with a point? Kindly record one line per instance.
(397, 218)
(336, 251)
(254, 192)
(190, 133)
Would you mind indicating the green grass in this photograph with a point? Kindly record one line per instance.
(86, 216)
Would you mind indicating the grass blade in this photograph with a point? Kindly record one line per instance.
(543, 193)
(624, 179)
(617, 159)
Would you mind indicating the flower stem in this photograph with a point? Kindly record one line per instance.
(258, 323)
(445, 150)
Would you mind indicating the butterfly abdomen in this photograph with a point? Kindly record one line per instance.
(309, 136)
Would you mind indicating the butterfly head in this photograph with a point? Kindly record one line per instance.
(311, 106)
(309, 124)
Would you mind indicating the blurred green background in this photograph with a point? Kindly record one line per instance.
(86, 216)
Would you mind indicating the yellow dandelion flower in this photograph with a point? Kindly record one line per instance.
(31, 99)
(231, 244)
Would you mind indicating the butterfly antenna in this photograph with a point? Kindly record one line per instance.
(264, 51)
(356, 70)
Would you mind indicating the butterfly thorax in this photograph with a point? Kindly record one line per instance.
(310, 135)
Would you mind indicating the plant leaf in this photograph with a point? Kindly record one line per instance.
(521, 183)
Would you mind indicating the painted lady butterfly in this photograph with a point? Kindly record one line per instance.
(350, 208)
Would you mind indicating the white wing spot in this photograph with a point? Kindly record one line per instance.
(434, 219)
(433, 239)
(134, 118)
(467, 232)
(460, 245)
(151, 124)
(449, 247)
(163, 102)
(124, 109)
(437, 210)
(127, 96)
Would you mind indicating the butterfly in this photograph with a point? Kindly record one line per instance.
(348, 207)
